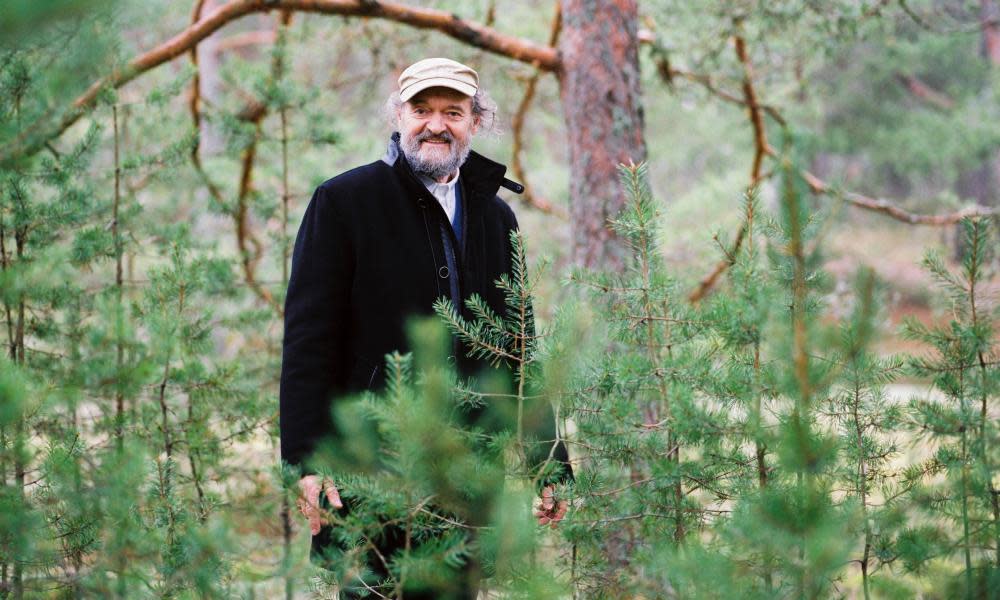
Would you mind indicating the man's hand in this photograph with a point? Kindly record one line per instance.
(310, 488)
(549, 510)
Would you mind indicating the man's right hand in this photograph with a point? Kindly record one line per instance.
(310, 487)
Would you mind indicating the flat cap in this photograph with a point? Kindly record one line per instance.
(437, 72)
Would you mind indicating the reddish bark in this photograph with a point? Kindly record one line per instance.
(990, 18)
(599, 87)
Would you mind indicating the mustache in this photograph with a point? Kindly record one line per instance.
(444, 136)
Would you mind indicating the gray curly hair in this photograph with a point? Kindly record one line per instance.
(484, 108)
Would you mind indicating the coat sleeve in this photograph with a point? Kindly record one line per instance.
(314, 348)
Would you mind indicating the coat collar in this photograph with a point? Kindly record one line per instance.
(480, 175)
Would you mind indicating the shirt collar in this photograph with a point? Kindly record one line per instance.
(436, 187)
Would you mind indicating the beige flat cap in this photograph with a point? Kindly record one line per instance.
(437, 72)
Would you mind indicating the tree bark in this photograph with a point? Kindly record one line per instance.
(599, 88)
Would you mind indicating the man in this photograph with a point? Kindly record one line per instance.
(379, 244)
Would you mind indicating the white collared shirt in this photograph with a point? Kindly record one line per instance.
(444, 192)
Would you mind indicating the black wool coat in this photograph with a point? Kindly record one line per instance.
(374, 248)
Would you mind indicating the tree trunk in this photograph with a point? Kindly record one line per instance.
(599, 87)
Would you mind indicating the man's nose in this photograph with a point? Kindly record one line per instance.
(436, 123)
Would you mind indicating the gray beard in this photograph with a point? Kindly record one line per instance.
(432, 167)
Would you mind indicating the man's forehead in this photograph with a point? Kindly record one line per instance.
(441, 94)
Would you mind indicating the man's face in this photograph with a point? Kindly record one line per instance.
(435, 129)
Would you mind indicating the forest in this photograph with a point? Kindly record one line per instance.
(754, 293)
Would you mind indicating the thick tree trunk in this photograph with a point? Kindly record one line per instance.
(599, 86)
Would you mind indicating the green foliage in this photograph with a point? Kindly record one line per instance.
(960, 424)
(752, 445)
(781, 443)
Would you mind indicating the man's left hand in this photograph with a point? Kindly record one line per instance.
(550, 510)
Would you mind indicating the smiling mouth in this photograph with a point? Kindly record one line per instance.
(438, 142)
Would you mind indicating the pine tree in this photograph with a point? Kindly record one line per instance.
(741, 375)
(447, 465)
(778, 534)
(962, 425)
(120, 418)
(652, 460)
(866, 420)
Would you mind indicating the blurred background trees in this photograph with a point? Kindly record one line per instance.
(156, 158)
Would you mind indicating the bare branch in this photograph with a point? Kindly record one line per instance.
(925, 92)
(194, 103)
(761, 146)
(708, 281)
(890, 209)
(928, 22)
(245, 39)
(761, 149)
(544, 57)
(668, 72)
(816, 185)
(250, 247)
(517, 128)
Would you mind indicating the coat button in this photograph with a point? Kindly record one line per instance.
(443, 272)
(422, 203)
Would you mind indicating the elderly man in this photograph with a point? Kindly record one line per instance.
(379, 244)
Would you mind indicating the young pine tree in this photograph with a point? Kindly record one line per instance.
(646, 440)
(447, 468)
(866, 419)
(962, 425)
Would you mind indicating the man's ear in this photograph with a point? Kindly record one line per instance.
(476, 122)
